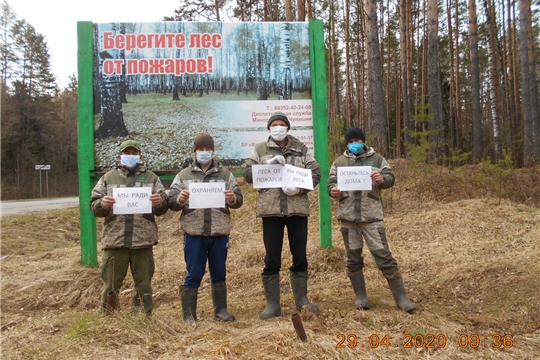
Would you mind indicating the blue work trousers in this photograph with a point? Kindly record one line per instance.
(197, 249)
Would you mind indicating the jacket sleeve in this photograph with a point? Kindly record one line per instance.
(99, 191)
(388, 175)
(238, 197)
(174, 191)
(160, 189)
(332, 178)
(312, 164)
(253, 159)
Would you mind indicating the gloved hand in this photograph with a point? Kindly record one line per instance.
(278, 159)
(290, 190)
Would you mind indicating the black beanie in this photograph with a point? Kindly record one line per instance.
(354, 132)
(278, 116)
(203, 140)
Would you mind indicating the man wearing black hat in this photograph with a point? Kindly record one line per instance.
(283, 207)
(128, 240)
(361, 216)
(206, 231)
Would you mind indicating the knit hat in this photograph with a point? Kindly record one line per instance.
(278, 116)
(354, 132)
(130, 143)
(203, 140)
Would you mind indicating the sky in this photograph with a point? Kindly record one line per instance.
(57, 21)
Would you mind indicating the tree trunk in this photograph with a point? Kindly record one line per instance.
(497, 98)
(475, 83)
(288, 11)
(434, 83)
(534, 86)
(510, 82)
(301, 10)
(458, 123)
(451, 105)
(285, 62)
(378, 125)
(406, 96)
(348, 87)
(528, 129)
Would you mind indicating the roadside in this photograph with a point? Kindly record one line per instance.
(21, 207)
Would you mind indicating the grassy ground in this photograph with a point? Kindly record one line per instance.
(467, 242)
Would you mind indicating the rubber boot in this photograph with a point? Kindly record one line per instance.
(359, 287)
(299, 288)
(400, 295)
(219, 298)
(188, 296)
(271, 291)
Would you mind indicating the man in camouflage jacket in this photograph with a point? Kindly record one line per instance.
(361, 216)
(206, 231)
(128, 240)
(279, 207)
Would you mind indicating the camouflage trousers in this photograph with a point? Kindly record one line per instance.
(374, 235)
(113, 269)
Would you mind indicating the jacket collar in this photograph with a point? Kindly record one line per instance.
(124, 171)
(368, 151)
(293, 144)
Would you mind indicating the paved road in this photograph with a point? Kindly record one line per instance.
(21, 207)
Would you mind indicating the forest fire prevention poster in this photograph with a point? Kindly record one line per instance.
(164, 83)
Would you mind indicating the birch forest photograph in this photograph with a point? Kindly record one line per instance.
(198, 73)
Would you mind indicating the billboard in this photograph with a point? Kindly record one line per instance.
(164, 83)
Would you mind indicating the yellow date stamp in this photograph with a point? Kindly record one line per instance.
(428, 341)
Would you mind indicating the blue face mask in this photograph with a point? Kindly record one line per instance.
(204, 157)
(130, 161)
(355, 147)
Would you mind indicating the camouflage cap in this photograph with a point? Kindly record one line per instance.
(130, 143)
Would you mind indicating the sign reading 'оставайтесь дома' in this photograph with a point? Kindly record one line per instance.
(164, 83)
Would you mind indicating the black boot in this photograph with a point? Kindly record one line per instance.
(188, 296)
(359, 287)
(400, 295)
(219, 298)
(299, 288)
(271, 291)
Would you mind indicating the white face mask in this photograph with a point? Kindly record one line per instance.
(130, 161)
(204, 157)
(278, 132)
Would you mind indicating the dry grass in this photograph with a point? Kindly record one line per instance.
(469, 253)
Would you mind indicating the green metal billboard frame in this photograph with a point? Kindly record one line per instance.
(85, 150)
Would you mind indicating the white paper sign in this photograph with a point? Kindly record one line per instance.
(267, 176)
(275, 176)
(132, 200)
(298, 177)
(354, 178)
(204, 195)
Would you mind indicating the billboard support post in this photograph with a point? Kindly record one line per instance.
(320, 126)
(85, 147)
